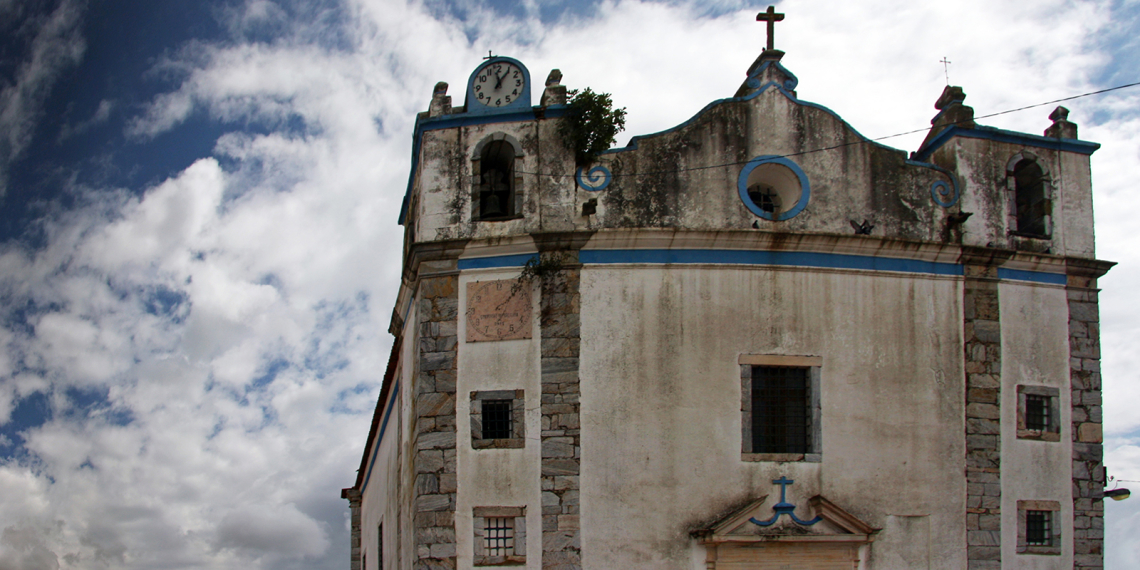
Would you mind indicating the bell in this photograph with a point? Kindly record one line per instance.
(491, 206)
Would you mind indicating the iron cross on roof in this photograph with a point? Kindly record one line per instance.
(771, 17)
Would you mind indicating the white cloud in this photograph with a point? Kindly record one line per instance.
(57, 46)
(184, 299)
(24, 549)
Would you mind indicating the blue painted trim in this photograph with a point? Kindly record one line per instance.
(424, 124)
(778, 258)
(473, 107)
(495, 261)
(752, 257)
(1033, 276)
(742, 187)
(789, 85)
(938, 195)
(380, 438)
(633, 143)
(587, 182)
(408, 309)
(1002, 135)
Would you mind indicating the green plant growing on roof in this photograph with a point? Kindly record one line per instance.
(591, 124)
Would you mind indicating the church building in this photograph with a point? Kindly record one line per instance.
(756, 340)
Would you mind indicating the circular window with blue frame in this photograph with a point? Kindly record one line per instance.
(773, 188)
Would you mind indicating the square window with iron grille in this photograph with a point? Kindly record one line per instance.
(1038, 527)
(497, 419)
(1038, 413)
(780, 405)
(500, 535)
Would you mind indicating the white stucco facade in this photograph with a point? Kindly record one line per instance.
(935, 314)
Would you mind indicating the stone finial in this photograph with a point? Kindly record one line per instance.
(555, 92)
(950, 95)
(952, 113)
(1061, 128)
(440, 101)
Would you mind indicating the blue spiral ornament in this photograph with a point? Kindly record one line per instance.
(943, 194)
(596, 180)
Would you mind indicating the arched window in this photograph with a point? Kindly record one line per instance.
(495, 183)
(1031, 199)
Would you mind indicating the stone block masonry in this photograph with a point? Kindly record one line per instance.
(353, 496)
(1084, 379)
(561, 436)
(982, 341)
(434, 428)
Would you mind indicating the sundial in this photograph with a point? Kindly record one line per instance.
(498, 310)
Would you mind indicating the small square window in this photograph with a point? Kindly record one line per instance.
(500, 536)
(1038, 527)
(780, 408)
(497, 419)
(1038, 414)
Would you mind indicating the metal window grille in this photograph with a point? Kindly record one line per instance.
(1037, 412)
(765, 197)
(781, 410)
(499, 536)
(1038, 528)
(497, 422)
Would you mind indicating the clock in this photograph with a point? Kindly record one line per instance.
(498, 310)
(499, 84)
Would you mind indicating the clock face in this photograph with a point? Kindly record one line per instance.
(498, 310)
(499, 83)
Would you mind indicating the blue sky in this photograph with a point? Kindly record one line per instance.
(199, 250)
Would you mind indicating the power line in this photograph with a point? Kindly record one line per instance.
(846, 144)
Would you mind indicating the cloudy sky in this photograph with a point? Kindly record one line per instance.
(199, 250)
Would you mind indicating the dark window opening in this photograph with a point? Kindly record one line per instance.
(765, 197)
(1036, 412)
(497, 419)
(781, 410)
(1031, 201)
(380, 546)
(1038, 528)
(497, 181)
(499, 536)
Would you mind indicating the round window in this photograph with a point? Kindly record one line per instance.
(773, 188)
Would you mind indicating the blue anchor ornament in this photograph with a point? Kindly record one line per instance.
(784, 507)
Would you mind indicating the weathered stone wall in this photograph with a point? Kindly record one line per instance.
(353, 496)
(685, 177)
(1088, 469)
(561, 430)
(982, 344)
(661, 419)
(435, 459)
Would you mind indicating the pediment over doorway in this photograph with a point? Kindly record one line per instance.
(821, 537)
